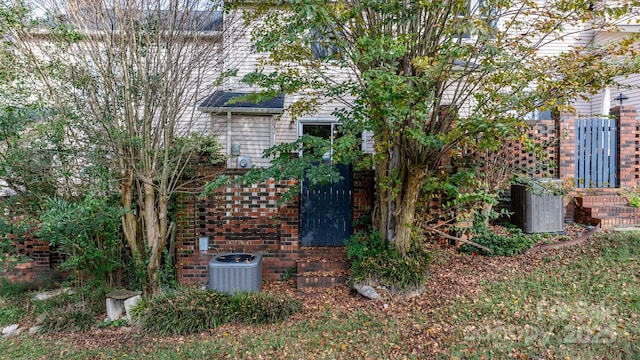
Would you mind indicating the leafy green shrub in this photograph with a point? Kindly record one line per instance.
(634, 200)
(183, 311)
(261, 308)
(191, 310)
(68, 318)
(632, 195)
(113, 323)
(88, 232)
(374, 258)
(512, 242)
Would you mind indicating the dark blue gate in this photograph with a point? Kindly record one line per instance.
(596, 163)
(327, 211)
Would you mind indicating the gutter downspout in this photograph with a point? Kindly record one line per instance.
(228, 138)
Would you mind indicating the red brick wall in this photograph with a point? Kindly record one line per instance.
(40, 260)
(629, 138)
(629, 146)
(544, 133)
(363, 195)
(247, 219)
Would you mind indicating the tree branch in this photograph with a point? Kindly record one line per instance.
(451, 237)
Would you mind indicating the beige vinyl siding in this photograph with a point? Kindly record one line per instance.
(219, 128)
(630, 86)
(253, 133)
(240, 54)
(285, 131)
(242, 58)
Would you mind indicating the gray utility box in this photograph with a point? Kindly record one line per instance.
(537, 208)
(235, 272)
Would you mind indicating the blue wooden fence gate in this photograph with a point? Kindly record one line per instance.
(327, 211)
(596, 163)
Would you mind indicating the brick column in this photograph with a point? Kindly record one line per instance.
(567, 147)
(190, 268)
(629, 137)
(363, 197)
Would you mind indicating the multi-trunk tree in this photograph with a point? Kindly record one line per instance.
(134, 72)
(431, 78)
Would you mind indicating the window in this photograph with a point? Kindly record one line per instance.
(326, 129)
(324, 44)
(482, 9)
(537, 115)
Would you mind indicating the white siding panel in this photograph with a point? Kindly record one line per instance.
(368, 142)
(254, 135)
(285, 131)
(219, 128)
(630, 86)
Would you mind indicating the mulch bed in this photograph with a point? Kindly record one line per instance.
(453, 276)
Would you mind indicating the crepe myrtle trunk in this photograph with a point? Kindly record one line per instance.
(397, 199)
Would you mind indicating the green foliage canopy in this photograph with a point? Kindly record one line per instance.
(432, 79)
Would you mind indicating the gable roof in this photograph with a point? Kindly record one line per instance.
(219, 101)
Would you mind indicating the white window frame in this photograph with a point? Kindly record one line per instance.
(318, 121)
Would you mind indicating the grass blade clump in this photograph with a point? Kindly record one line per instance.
(182, 312)
(67, 319)
(261, 308)
(190, 310)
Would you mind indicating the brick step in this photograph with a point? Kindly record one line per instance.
(619, 222)
(314, 265)
(322, 267)
(609, 216)
(601, 200)
(321, 279)
(326, 252)
(603, 212)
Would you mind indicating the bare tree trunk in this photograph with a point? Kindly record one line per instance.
(129, 219)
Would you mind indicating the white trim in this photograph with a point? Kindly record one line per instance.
(314, 121)
(318, 121)
(241, 110)
(229, 144)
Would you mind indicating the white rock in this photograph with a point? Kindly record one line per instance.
(48, 294)
(366, 291)
(129, 303)
(10, 330)
(34, 329)
(52, 293)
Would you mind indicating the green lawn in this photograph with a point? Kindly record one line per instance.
(584, 306)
